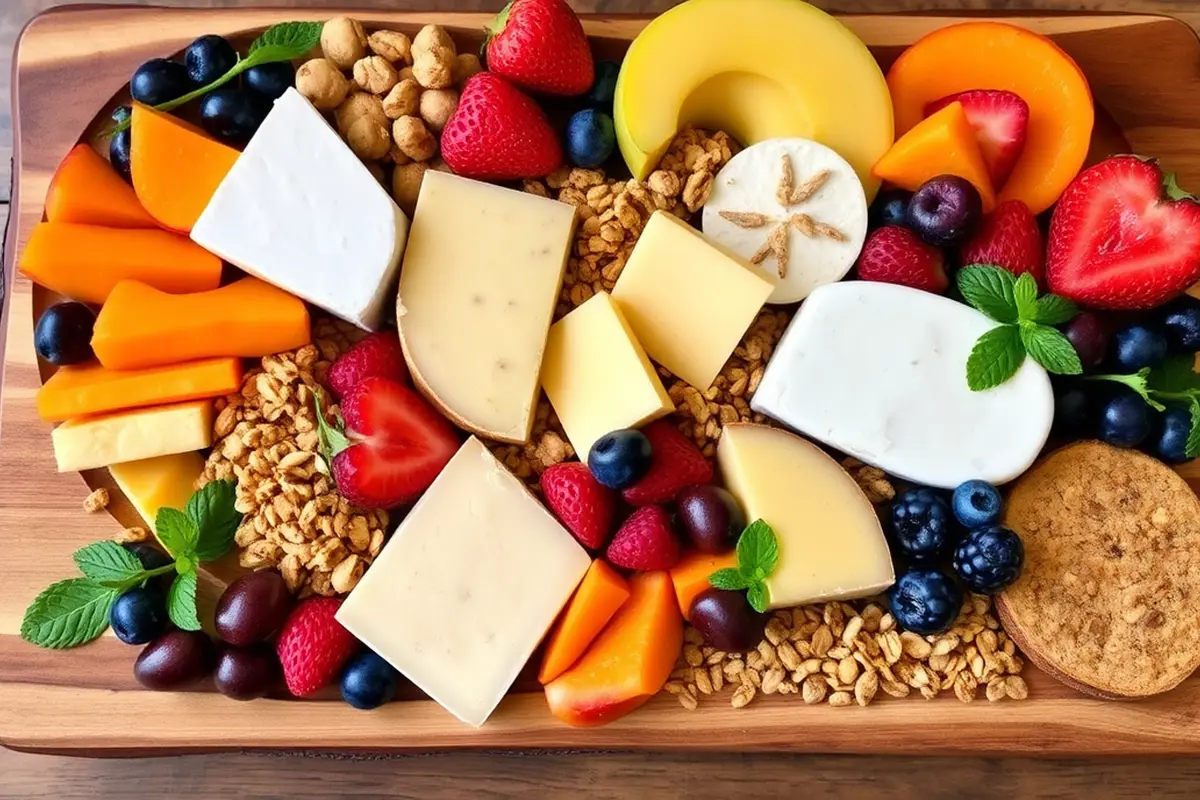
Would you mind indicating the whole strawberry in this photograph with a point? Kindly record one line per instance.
(645, 542)
(540, 45)
(580, 502)
(378, 355)
(313, 646)
(893, 254)
(499, 133)
(1008, 238)
(675, 462)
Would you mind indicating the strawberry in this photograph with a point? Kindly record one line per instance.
(1009, 237)
(893, 254)
(1123, 236)
(313, 646)
(579, 501)
(675, 462)
(1000, 120)
(499, 133)
(394, 446)
(646, 541)
(377, 355)
(540, 46)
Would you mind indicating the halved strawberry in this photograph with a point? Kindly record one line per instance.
(1000, 120)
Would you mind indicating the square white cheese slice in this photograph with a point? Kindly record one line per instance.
(467, 586)
(299, 210)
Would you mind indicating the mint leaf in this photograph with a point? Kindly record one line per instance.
(108, 561)
(759, 597)
(177, 532)
(1192, 450)
(1025, 295)
(1054, 310)
(989, 289)
(331, 439)
(995, 358)
(757, 551)
(1139, 382)
(728, 579)
(285, 41)
(1175, 375)
(181, 602)
(185, 564)
(1050, 348)
(211, 509)
(68, 613)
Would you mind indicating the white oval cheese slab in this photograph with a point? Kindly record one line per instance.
(748, 183)
(878, 371)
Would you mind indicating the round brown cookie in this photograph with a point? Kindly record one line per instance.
(1109, 600)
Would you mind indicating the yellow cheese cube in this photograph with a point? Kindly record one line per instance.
(162, 482)
(91, 442)
(598, 377)
(688, 300)
(831, 546)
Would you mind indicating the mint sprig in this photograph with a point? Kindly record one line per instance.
(1025, 328)
(282, 42)
(75, 611)
(757, 557)
(1175, 383)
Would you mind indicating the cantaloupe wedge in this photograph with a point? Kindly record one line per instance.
(85, 188)
(176, 167)
(690, 576)
(601, 592)
(628, 663)
(942, 144)
(140, 326)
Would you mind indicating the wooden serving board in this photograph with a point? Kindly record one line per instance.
(70, 67)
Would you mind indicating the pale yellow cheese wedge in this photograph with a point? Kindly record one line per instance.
(91, 442)
(154, 483)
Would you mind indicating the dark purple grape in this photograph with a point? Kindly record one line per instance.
(1088, 334)
(711, 518)
(174, 660)
(727, 621)
(246, 673)
(944, 210)
(252, 608)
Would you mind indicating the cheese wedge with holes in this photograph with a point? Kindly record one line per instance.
(831, 546)
(478, 287)
(91, 442)
(154, 483)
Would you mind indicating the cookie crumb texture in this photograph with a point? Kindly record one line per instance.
(1107, 600)
(96, 501)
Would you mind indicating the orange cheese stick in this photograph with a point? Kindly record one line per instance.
(601, 592)
(92, 389)
(690, 576)
(84, 262)
(140, 326)
(85, 188)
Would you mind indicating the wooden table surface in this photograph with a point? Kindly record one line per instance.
(487, 775)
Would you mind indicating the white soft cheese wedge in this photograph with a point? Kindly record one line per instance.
(831, 546)
(879, 371)
(299, 210)
(478, 288)
(749, 184)
(467, 586)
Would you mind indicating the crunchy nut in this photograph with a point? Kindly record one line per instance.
(406, 74)
(392, 45)
(465, 65)
(414, 139)
(436, 106)
(375, 74)
(369, 138)
(96, 501)
(132, 535)
(406, 184)
(434, 69)
(343, 41)
(403, 99)
(430, 38)
(358, 104)
(322, 82)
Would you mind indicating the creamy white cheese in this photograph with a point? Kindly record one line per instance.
(299, 210)
(748, 183)
(878, 371)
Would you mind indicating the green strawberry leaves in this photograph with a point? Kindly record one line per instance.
(757, 557)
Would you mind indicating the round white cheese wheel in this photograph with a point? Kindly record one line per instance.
(749, 184)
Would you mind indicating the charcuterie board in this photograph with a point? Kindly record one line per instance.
(70, 67)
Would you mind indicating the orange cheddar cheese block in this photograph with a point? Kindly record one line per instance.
(91, 389)
(690, 576)
(84, 262)
(140, 326)
(86, 189)
(601, 592)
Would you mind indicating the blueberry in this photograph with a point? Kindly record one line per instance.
(121, 114)
(1075, 412)
(925, 601)
(1138, 346)
(1125, 420)
(920, 523)
(944, 210)
(1171, 435)
(120, 152)
(988, 559)
(138, 616)
(1181, 325)
(890, 208)
(152, 558)
(604, 86)
(368, 681)
(270, 81)
(64, 333)
(591, 138)
(208, 58)
(233, 115)
(619, 459)
(159, 80)
(976, 503)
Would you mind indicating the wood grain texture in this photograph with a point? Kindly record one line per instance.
(1144, 73)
